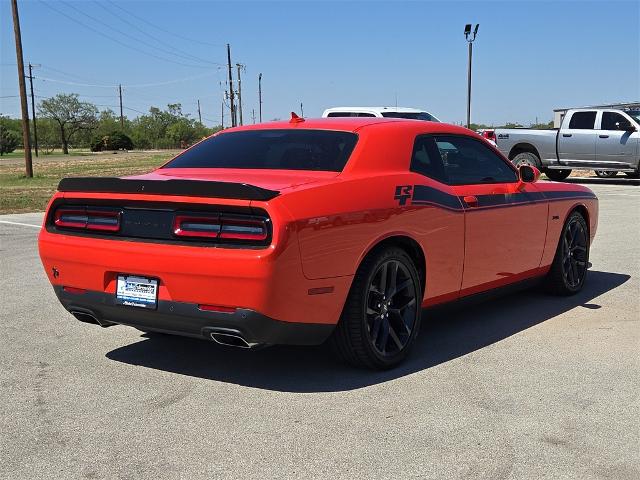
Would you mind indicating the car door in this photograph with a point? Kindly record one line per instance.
(616, 144)
(577, 142)
(505, 220)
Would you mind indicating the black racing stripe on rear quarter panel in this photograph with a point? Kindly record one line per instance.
(423, 195)
(192, 188)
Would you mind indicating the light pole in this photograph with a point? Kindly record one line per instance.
(470, 36)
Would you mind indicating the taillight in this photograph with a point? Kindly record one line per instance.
(223, 227)
(244, 229)
(192, 226)
(83, 218)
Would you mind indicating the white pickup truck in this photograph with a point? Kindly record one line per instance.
(606, 140)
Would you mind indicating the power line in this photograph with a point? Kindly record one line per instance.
(140, 85)
(109, 37)
(164, 30)
(95, 19)
(181, 53)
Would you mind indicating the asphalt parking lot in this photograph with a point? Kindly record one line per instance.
(528, 386)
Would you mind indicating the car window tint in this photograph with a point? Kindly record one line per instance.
(583, 120)
(362, 114)
(469, 161)
(302, 149)
(340, 114)
(609, 120)
(426, 159)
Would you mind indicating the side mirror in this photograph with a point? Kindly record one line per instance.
(626, 126)
(528, 174)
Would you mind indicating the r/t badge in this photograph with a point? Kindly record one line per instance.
(403, 192)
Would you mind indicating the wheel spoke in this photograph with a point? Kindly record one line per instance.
(375, 329)
(391, 286)
(383, 278)
(384, 337)
(394, 337)
(399, 288)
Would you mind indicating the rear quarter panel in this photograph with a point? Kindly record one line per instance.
(340, 222)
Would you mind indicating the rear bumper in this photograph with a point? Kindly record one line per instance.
(180, 318)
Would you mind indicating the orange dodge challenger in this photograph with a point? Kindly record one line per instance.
(302, 231)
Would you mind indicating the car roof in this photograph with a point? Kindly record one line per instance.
(353, 124)
(375, 109)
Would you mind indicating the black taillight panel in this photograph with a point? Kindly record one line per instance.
(164, 223)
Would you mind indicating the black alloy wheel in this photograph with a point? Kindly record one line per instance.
(381, 316)
(569, 268)
(574, 253)
(391, 308)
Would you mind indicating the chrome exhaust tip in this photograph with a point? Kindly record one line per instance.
(231, 340)
(87, 317)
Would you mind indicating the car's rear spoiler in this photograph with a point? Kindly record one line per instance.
(192, 188)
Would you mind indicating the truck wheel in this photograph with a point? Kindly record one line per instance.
(569, 267)
(606, 173)
(557, 175)
(632, 174)
(527, 158)
(381, 316)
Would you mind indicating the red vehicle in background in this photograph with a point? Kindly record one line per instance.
(302, 231)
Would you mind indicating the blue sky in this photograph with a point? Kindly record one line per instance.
(529, 57)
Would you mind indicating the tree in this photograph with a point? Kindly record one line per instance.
(9, 139)
(70, 114)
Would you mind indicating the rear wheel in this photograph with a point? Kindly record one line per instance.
(606, 173)
(526, 158)
(557, 175)
(632, 174)
(381, 316)
(569, 267)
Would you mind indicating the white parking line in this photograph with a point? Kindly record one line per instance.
(18, 223)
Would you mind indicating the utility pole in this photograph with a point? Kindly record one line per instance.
(222, 113)
(26, 139)
(301, 110)
(231, 97)
(33, 111)
(239, 65)
(121, 114)
(470, 37)
(199, 114)
(260, 96)
(253, 115)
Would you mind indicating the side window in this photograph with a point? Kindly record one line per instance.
(426, 159)
(469, 161)
(340, 114)
(583, 120)
(362, 114)
(610, 119)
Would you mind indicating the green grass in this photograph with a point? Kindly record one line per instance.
(21, 194)
(53, 153)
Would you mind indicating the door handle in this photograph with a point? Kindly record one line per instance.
(471, 200)
(603, 136)
(567, 135)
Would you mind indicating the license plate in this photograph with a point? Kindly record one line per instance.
(135, 291)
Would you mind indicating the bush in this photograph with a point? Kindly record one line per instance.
(9, 140)
(113, 141)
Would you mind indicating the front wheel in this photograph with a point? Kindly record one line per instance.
(606, 173)
(526, 158)
(569, 267)
(381, 316)
(557, 175)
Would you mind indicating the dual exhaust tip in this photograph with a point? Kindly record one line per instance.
(229, 338)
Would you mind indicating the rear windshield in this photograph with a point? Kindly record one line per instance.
(271, 150)
(410, 115)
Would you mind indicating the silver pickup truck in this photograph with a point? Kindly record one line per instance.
(605, 140)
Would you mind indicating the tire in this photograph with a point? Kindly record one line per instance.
(569, 268)
(527, 158)
(606, 173)
(380, 320)
(557, 175)
(632, 174)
